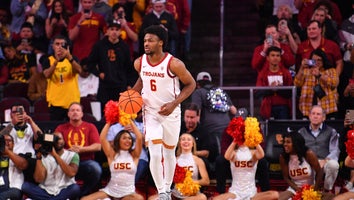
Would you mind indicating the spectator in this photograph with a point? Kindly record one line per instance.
(12, 166)
(85, 28)
(27, 43)
(317, 41)
(191, 124)
(102, 8)
(299, 165)
(187, 159)
(82, 137)
(55, 173)
(160, 16)
(128, 30)
(143, 164)
(18, 69)
(5, 21)
(318, 82)
(57, 22)
(243, 178)
(122, 182)
(37, 86)
(259, 60)
(214, 122)
(323, 140)
(275, 103)
(61, 71)
(32, 11)
(288, 36)
(88, 83)
(115, 70)
(329, 26)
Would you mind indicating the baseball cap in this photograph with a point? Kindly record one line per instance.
(158, 1)
(114, 23)
(203, 76)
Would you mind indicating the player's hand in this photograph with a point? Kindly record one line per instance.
(167, 108)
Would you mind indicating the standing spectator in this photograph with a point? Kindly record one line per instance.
(32, 11)
(57, 22)
(83, 138)
(299, 165)
(275, 103)
(123, 151)
(85, 28)
(160, 16)
(102, 8)
(323, 140)
(27, 43)
(329, 26)
(259, 60)
(128, 31)
(214, 122)
(56, 173)
(88, 83)
(114, 67)
(318, 81)
(61, 71)
(158, 83)
(287, 35)
(12, 167)
(317, 41)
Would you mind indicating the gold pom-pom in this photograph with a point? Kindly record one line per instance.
(253, 136)
(188, 187)
(311, 194)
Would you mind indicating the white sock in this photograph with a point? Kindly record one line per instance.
(156, 168)
(169, 166)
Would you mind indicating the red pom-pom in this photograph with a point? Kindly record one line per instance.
(180, 174)
(111, 112)
(350, 148)
(236, 128)
(350, 135)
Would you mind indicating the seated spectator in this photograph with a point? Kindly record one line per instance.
(315, 40)
(143, 165)
(329, 26)
(88, 83)
(275, 103)
(323, 140)
(318, 81)
(83, 138)
(18, 69)
(56, 23)
(187, 159)
(259, 60)
(122, 182)
(11, 169)
(55, 173)
(297, 157)
(37, 87)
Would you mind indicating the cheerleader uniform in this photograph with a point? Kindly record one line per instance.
(122, 182)
(300, 174)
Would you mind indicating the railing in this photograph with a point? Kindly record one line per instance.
(252, 88)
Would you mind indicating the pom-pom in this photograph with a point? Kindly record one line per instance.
(307, 193)
(189, 187)
(235, 129)
(113, 114)
(180, 174)
(350, 148)
(252, 135)
(350, 135)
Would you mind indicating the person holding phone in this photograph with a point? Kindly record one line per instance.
(85, 29)
(318, 80)
(62, 71)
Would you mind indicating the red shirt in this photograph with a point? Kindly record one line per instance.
(83, 135)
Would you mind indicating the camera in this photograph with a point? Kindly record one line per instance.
(47, 141)
(269, 39)
(311, 62)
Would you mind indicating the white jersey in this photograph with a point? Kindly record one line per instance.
(123, 170)
(23, 140)
(187, 161)
(300, 174)
(160, 86)
(56, 179)
(243, 171)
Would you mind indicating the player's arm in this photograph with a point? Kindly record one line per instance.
(178, 68)
(138, 84)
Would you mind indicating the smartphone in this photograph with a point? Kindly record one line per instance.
(86, 11)
(311, 62)
(19, 110)
(269, 39)
(64, 45)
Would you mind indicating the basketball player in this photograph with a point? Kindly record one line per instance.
(158, 83)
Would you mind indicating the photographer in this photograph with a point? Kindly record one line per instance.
(11, 168)
(61, 71)
(55, 173)
(318, 80)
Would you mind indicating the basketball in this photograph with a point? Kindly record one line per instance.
(130, 102)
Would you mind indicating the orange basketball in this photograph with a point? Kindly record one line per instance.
(130, 101)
